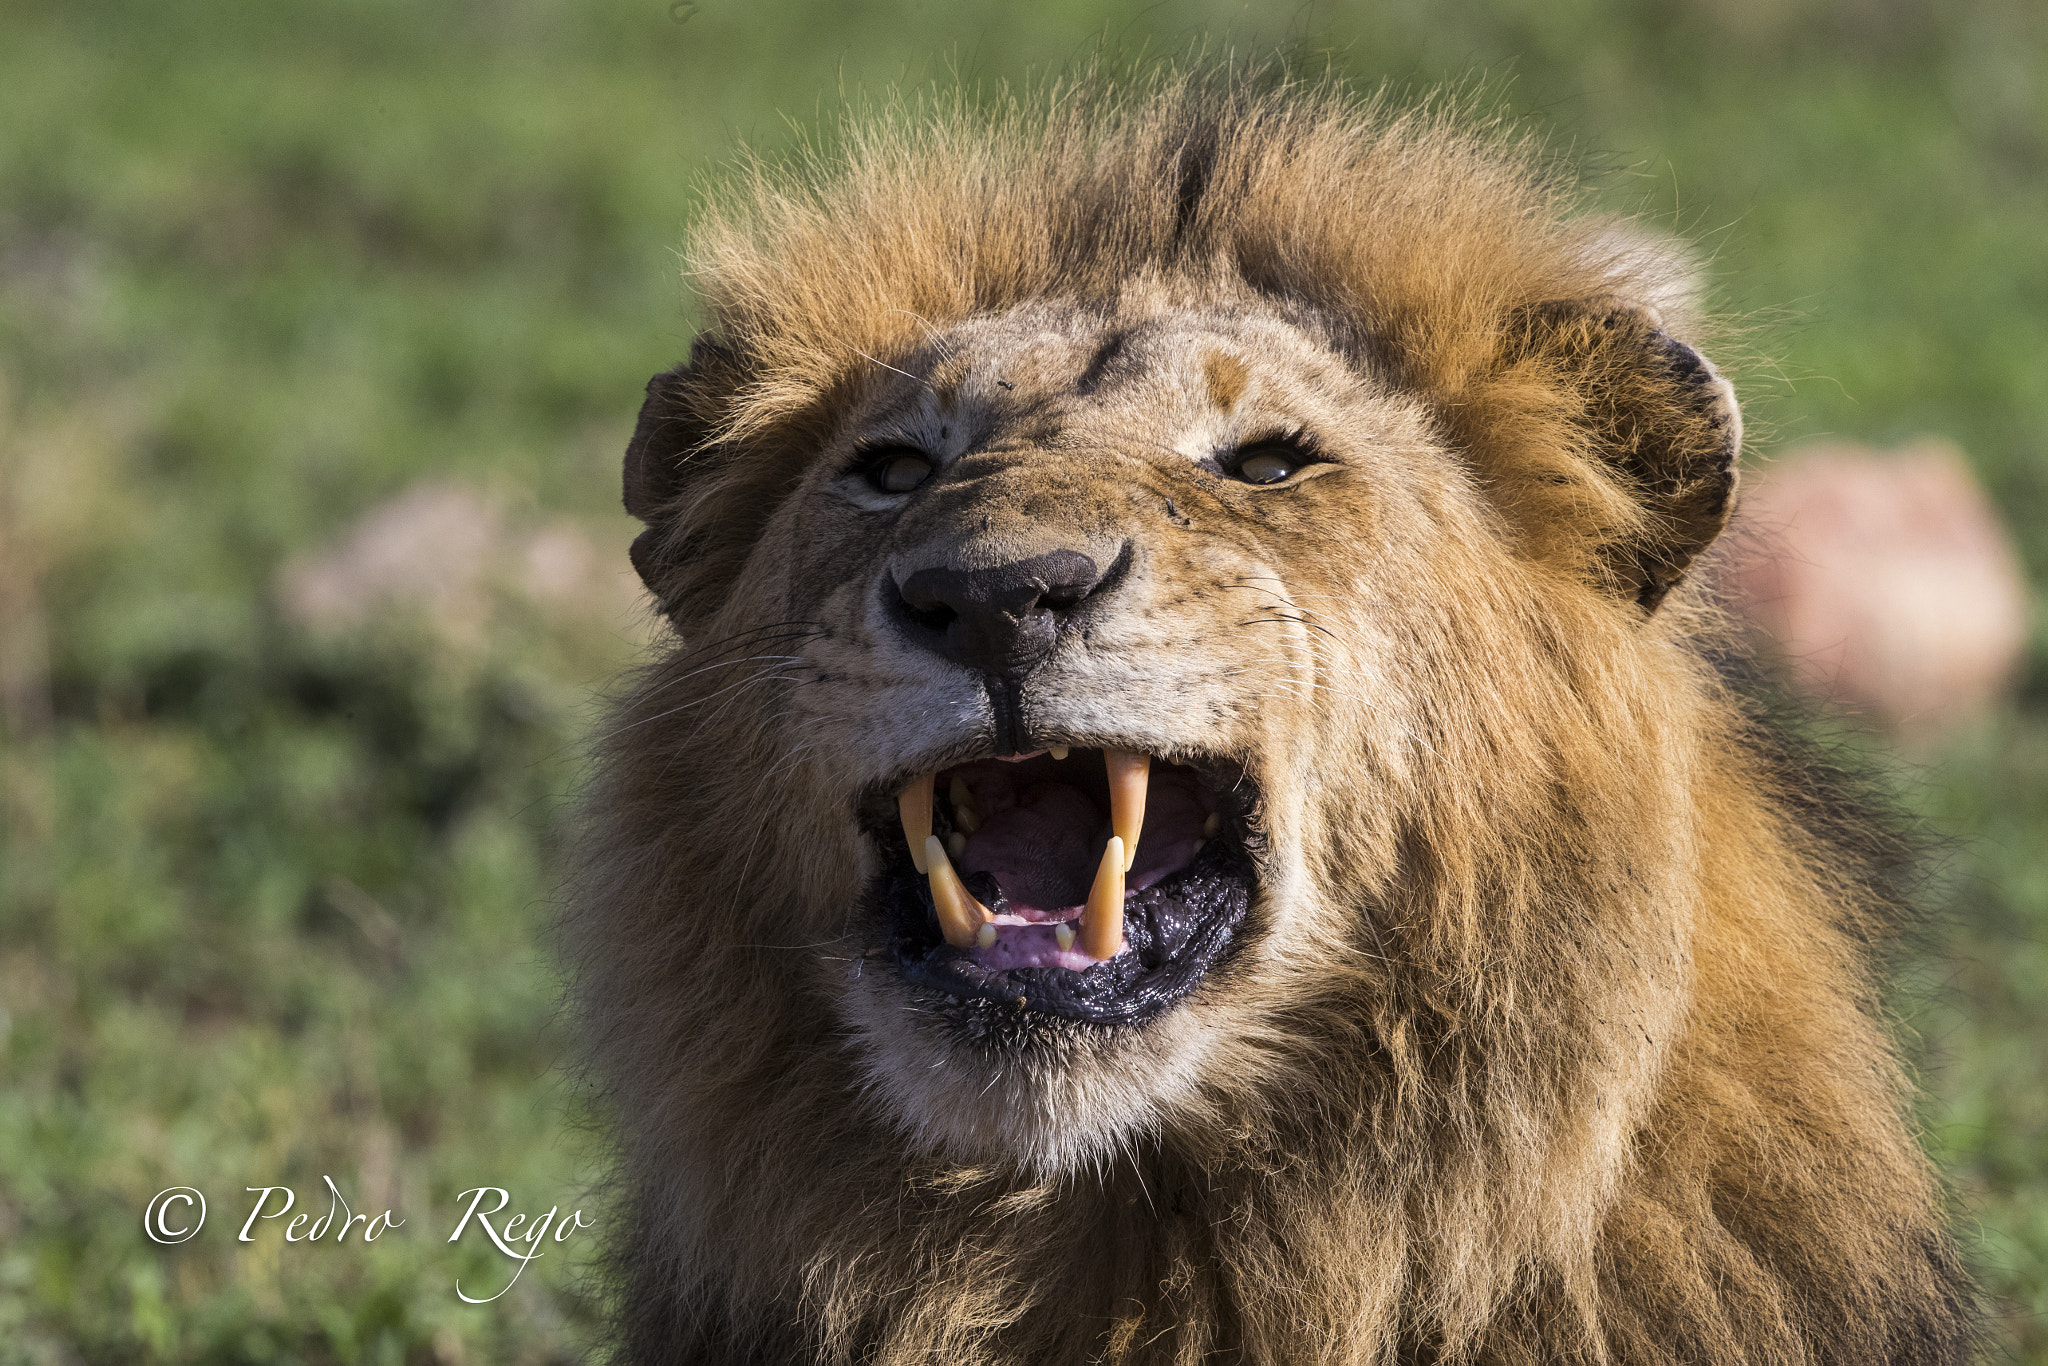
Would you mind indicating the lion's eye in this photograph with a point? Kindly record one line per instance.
(1268, 464)
(899, 471)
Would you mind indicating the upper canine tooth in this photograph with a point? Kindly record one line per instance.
(1102, 919)
(964, 814)
(960, 915)
(914, 808)
(1129, 775)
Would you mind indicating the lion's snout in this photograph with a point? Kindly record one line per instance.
(1002, 620)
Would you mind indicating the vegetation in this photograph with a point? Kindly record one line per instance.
(274, 879)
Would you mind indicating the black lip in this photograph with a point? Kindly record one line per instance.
(1176, 932)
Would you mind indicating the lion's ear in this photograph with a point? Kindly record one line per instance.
(674, 426)
(1661, 419)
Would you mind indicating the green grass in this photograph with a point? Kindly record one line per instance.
(272, 904)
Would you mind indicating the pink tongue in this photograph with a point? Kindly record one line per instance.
(1041, 840)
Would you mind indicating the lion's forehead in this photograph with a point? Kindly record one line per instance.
(1067, 375)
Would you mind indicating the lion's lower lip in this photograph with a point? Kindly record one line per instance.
(1175, 933)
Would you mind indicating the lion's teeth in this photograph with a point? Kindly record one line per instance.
(985, 937)
(1102, 920)
(956, 844)
(964, 814)
(914, 808)
(1212, 825)
(1129, 775)
(1060, 751)
(961, 917)
(1065, 934)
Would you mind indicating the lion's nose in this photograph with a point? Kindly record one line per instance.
(1002, 621)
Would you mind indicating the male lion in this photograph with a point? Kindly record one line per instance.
(1186, 814)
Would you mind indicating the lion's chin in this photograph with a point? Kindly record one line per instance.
(994, 1084)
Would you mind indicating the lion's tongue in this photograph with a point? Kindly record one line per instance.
(1042, 841)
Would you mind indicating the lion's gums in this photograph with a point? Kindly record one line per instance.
(1551, 1037)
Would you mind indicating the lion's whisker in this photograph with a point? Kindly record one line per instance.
(682, 707)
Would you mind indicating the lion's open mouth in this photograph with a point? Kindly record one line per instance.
(1095, 884)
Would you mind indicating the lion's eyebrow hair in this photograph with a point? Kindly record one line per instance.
(886, 366)
(937, 339)
(950, 369)
(1227, 378)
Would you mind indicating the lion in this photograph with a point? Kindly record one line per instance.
(1193, 808)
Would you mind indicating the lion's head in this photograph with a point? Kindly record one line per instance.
(1174, 664)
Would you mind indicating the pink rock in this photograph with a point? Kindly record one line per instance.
(432, 548)
(1886, 581)
(452, 558)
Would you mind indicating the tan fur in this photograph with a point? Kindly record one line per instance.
(1550, 1036)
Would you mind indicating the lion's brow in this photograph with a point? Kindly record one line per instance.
(1097, 369)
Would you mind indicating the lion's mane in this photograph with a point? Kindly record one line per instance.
(1582, 1058)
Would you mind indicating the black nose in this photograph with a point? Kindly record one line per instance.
(1002, 621)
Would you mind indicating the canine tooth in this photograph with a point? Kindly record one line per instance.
(956, 844)
(961, 917)
(964, 814)
(1065, 934)
(985, 937)
(914, 808)
(1129, 776)
(1102, 920)
(1060, 751)
(1212, 825)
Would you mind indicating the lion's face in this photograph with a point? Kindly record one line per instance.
(1065, 579)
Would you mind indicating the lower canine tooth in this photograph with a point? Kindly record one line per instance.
(961, 917)
(914, 808)
(1102, 920)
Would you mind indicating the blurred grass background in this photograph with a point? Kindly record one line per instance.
(272, 898)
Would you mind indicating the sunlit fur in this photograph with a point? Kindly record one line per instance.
(1551, 1035)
